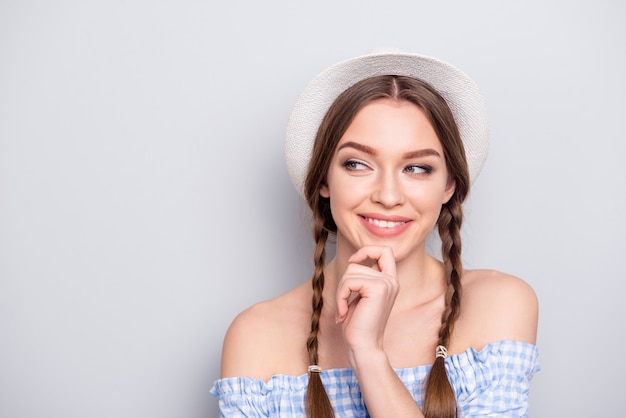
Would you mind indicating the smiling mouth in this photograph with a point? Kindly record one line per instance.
(384, 224)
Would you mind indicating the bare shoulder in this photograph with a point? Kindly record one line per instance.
(496, 306)
(268, 338)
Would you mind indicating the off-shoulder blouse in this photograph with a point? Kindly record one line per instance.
(492, 382)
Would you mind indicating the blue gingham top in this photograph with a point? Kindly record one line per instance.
(491, 382)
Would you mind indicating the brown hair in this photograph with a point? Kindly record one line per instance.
(440, 400)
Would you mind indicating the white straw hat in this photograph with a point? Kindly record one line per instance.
(459, 91)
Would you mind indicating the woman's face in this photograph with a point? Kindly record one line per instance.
(387, 179)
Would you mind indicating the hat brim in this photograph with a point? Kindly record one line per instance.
(459, 91)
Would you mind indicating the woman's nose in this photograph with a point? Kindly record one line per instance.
(388, 190)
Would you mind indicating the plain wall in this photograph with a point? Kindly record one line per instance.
(144, 199)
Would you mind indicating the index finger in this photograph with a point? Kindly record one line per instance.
(383, 256)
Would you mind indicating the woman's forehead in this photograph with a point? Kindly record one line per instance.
(391, 125)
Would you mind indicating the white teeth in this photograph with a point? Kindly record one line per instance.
(384, 224)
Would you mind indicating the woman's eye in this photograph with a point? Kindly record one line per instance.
(418, 169)
(354, 165)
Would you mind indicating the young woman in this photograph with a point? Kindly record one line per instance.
(383, 148)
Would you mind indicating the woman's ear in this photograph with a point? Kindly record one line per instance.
(324, 192)
(449, 192)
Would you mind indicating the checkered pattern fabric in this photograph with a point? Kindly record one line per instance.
(492, 382)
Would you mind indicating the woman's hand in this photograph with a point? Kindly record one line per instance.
(365, 297)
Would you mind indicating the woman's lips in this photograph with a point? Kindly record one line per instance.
(384, 226)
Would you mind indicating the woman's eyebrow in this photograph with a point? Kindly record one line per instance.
(421, 153)
(359, 147)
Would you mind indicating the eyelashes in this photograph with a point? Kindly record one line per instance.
(419, 169)
(355, 165)
(413, 169)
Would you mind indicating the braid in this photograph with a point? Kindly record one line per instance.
(317, 402)
(440, 400)
(450, 232)
(318, 286)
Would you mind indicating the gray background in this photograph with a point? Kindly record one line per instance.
(144, 200)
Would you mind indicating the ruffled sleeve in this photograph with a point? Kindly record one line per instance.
(241, 397)
(495, 381)
(492, 382)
